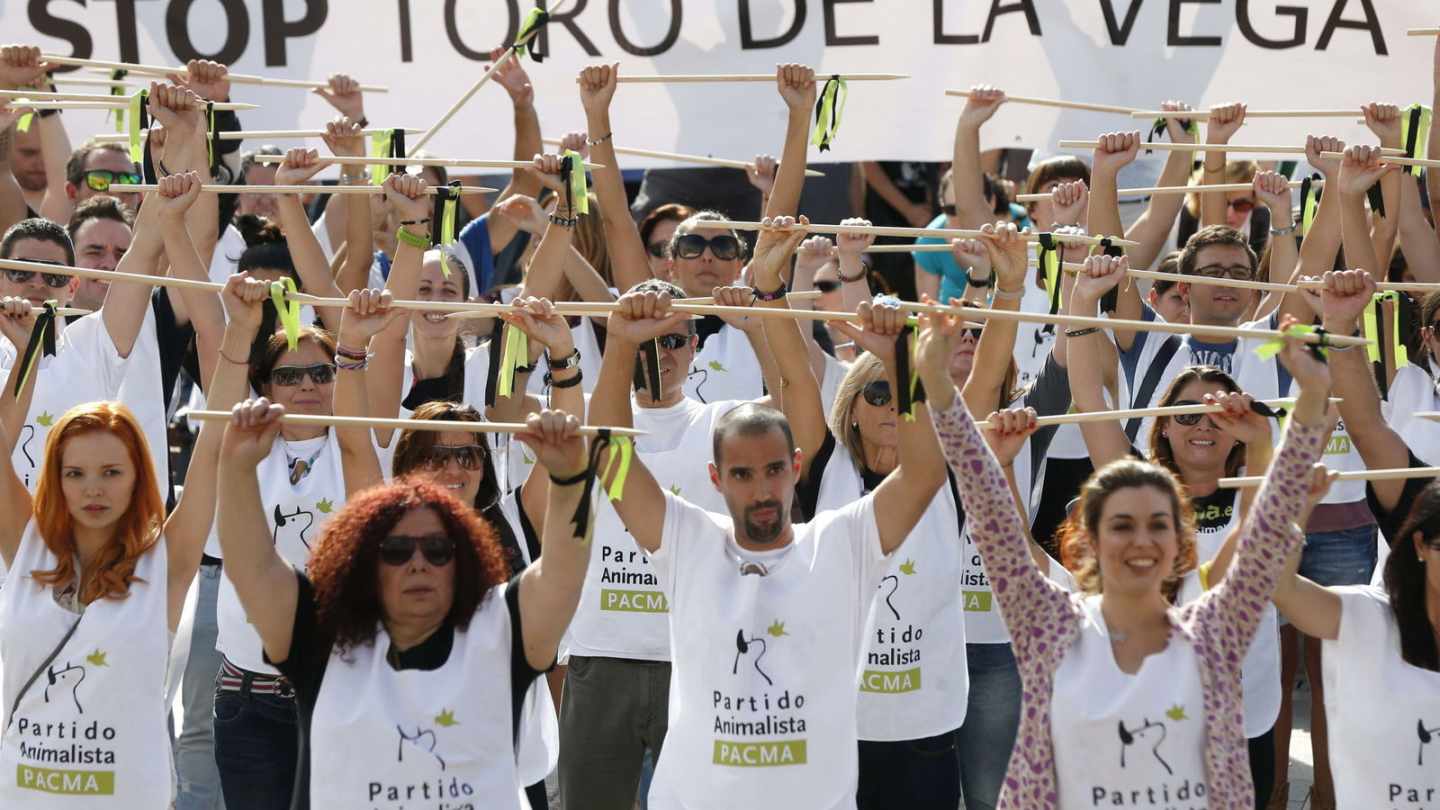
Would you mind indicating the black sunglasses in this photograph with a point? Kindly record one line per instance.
(826, 285)
(658, 250)
(468, 456)
(673, 342)
(52, 280)
(1188, 419)
(877, 393)
(397, 549)
(723, 247)
(319, 373)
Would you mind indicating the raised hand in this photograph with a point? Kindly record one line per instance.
(524, 211)
(642, 316)
(880, 323)
(300, 165)
(1344, 298)
(344, 95)
(1225, 121)
(1009, 253)
(1361, 168)
(1238, 420)
(797, 86)
(778, 240)
(343, 137)
(854, 243)
(537, 318)
(554, 437)
(512, 76)
(597, 87)
(1312, 373)
(738, 296)
(1116, 150)
(547, 169)
(1177, 132)
(981, 105)
(934, 346)
(21, 67)
(1007, 431)
(1384, 121)
(973, 255)
(575, 141)
(179, 110)
(244, 299)
(1315, 145)
(1100, 275)
(761, 173)
(1273, 189)
(17, 320)
(409, 197)
(1070, 199)
(206, 79)
(175, 195)
(250, 436)
(9, 113)
(812, 254)
(367, 314)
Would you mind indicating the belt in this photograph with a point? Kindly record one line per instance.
(235, 679)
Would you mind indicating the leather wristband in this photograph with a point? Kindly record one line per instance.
(570, 360)
(988, 280)
(772, 295)
(566, 383)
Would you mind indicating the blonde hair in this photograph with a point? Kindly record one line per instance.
(866, 369)
(1236, 171)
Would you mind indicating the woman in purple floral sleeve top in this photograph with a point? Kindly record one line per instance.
(1133, 720)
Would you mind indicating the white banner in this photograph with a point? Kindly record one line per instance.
(1268, 53)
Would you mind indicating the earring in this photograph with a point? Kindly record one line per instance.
(855, 426)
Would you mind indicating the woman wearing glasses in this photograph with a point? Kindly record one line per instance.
(100, 580)
(410, 645)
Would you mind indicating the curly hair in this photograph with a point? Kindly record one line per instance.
(1079, 534)
(344, 565)
(136, 531)
(1405, 582)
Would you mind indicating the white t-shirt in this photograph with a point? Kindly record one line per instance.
(1414, 391)
(1384, 714)
(726, 368)
(764, 667)
(1128, 740)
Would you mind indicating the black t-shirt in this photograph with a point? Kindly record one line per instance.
(1391, 519)
(310, 652)
(1215, 510)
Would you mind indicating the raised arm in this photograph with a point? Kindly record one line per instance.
(1322, 240)
(622, 237)
(348, 217)
(796, 84)
(407, 196)
(16, 324)
(1360, 170)
(264, 582)
(1003, 255)
(1116, 151)
(1224, 122)
(641, 316)
(343, 93)
(300, 165)
(367, 313)
(1384, 121)
(971, 207)
(547, 267)
(1152, 229)
(550, 586)
(1273, 189)
(1008, 435)
(1105, 440)
(188, 527)
(12, 199)
(526, 121)
(1417, 235)
(1313, 609)
(21, 68)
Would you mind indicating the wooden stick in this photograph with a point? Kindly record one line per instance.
(82, 81)
(117, 103)
(253, 135)
(1431, 415)
(697, 78)
(471, 163)
(45, 95)
(409, 424)
(1051, 102)
(1204, 115)
(460, 102)
(110, 275)
(943, 247)
(1153, 190)
(310, 189)
(1138, 413)
(1268, 286)
(234, 78)
(1381, 286)
(1357, 475)
(1215, 147)
(803, 295)
(1398, 160)
(1422, 32)
(66, 312)
(702, 160)
(944, 233)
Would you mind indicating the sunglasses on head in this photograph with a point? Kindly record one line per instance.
(673, 342)
(468, 456)
(53, 280)
(658, 250)
(1188, 419)
(1243, 205)
(877, 393)
(827, 285)
(1239, 272)
(723, 247)
(397, 549)
(100, 179)
(319, 373)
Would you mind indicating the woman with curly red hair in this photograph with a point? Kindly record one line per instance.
(98, 579)
(409, 646)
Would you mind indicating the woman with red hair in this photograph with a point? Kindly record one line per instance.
(98, 578)
(409, 644)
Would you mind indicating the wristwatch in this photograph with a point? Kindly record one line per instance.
(1285, 231)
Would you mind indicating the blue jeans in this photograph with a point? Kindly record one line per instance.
(257, 749)
(922, 774)
(992, 719)
(195, 745)
(1345, 557)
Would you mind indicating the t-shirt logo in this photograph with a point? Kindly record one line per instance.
(1427, 736)
(69, 676)
(296, 524)
(1147, 732)
(756, 644)
(422, 740)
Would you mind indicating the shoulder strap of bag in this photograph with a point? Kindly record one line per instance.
(1152, 381)
(35, 676)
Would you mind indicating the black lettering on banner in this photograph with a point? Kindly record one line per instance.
(832, 38)
(81, 45)
(452, 30)
(278, 29)
(566, 19)
(407, 53)
(126, 29)
(672, 34)
(748, 42)
(1121, 34)
(1172, 34)
(1368, 24)
(997, 8)
(1300, 13)
(942, 38)
(237, 31)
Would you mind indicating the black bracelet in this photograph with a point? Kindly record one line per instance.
(969, 279)
(570, 383)
(570, 360)
(773, 295)
(425, 221)
(564, 222)
(860, 276)
(363, 122)
(1081, 332)
(47, 113)
(572, 480)
(524, 369)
